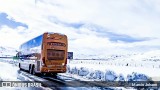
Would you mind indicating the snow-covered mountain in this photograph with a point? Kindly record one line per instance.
(153, 56)
(145, 56)
(7, 51)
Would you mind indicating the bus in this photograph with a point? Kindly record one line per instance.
(44, 54)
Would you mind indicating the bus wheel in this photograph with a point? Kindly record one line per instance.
(20, 66)
(33, 70)
(30, 69)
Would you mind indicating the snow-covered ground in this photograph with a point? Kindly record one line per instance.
(8, 72)
(129, 67)
(137, 67)
(117, 68)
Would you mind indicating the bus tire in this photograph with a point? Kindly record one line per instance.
(19, 66)
(30, 69)
(33, 70)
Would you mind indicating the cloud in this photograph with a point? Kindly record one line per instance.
(100, 31)
(11, 37)
(113, 36)
(5, 20)
(92, 26)
(60, 22)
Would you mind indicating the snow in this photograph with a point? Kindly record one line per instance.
(8, 72)
(136, 67)
(129, 67)
(116, 66)
(112, 72)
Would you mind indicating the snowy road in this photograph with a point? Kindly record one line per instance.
(10, 72)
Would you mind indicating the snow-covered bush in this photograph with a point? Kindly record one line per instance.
(129, 77)
(95, 74)
(91, 74)
(139, 77)
(68, 69)
(120, 77)
(83, 71)
(110, 76)
(74, 70)
(99, 74)
(121, 80)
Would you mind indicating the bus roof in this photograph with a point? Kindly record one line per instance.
(54, 33)
(37, 41)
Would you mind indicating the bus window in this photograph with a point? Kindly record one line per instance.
(55, 54)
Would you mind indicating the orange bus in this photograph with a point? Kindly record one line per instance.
(45, 54)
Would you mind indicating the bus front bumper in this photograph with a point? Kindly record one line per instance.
(53, 69)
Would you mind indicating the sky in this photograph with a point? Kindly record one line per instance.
(93, 27)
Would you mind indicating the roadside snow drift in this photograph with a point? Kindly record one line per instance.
(8, 72)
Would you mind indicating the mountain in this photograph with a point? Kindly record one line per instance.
(135, 57)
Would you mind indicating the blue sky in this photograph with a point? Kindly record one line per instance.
(103, 26)
(10, 22)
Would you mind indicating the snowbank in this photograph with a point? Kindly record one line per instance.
(113, 71)
(8, 72)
